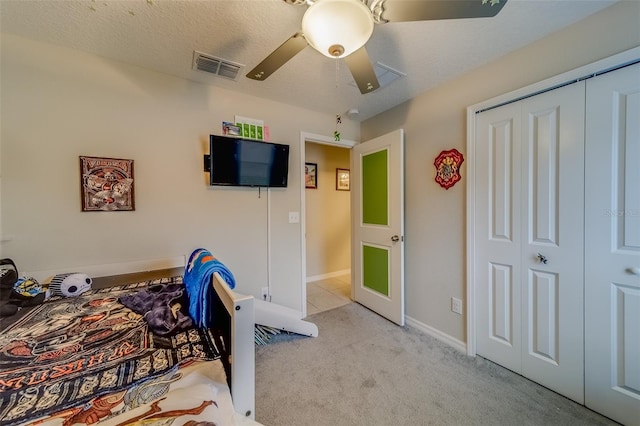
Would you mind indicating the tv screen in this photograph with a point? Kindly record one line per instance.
(242, 162)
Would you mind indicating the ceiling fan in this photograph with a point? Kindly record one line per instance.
(341, 28)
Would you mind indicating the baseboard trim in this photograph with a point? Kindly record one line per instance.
(437, 334)
(113, 268)
(329, 275)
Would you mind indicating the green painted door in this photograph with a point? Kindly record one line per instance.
(378, 224)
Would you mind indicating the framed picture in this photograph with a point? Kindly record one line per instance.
(106, 184)
(311, 175)
(342, 179)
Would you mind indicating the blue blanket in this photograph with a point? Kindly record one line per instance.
(197, 281)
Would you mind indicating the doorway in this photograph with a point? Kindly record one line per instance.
(327, 224)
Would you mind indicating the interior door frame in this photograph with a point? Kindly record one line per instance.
(607, 64)
(322, 140)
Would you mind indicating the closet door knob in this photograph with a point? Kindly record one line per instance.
(395, 238)
(542, 258)
(634, 271)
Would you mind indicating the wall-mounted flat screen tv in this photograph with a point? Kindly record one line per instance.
(243, 162)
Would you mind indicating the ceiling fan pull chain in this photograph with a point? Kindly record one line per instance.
(336, 133)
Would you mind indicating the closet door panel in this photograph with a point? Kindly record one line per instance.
(500, 306)
(612, 245)
(543, 182)
(501, 191)
(529, 238)
(543, 313)
(552, 249)
(628, 163)
(497, 266)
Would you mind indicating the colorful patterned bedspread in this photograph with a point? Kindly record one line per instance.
(194, 395)
(87, 350)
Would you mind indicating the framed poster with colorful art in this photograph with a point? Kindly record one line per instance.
(106, 184)
(448, 168)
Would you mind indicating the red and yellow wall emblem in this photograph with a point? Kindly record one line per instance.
(448, 168)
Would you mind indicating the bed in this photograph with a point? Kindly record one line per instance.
(90, 360)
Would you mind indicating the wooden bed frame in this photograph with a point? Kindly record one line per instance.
(237, 319)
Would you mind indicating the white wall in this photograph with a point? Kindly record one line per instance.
(435, 218)
(328, 213)
(59, 103)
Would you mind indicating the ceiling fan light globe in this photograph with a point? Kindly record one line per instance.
(330, 23)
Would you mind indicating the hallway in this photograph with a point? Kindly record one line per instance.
(328, 293)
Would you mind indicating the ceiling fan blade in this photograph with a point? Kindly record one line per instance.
(362, 71)
(427, 10)
(278, 57)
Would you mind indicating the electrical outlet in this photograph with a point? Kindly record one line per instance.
(456, 305)
(265, 293)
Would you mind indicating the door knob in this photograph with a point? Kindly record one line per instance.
(634, 271)
(395, 238)
(542, 258)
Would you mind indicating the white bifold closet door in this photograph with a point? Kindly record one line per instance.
(529, 238)
(612, 245)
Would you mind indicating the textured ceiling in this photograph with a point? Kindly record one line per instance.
(162, 34)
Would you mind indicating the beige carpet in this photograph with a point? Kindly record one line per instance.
(364, 370)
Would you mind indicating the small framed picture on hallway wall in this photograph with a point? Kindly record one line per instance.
(342, 179)
(311, 175)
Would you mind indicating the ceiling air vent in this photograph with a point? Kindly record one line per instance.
(217, 66)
